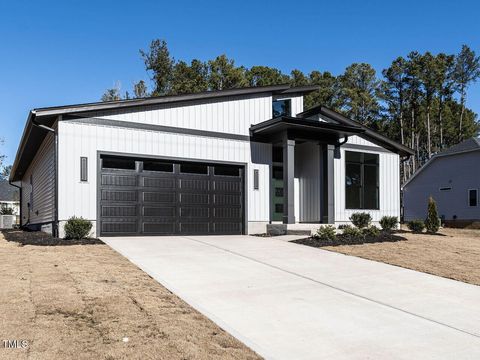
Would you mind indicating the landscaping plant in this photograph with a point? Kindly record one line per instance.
(326, 233)
(388, 223)
(352, 232)
(77, 228)
(416, 226)
(361, 220)
(371, 232)
(432, 223)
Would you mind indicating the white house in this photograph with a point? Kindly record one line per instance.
(223, 162)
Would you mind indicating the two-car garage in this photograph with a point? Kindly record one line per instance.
(142, 196)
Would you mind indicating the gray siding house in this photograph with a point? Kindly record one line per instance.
(452, 178)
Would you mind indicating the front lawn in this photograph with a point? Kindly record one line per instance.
(451, 253)
(85, 301)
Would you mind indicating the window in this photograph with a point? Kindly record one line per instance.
(278, 192)
(282, 108)
(194, 169)
(225, 170)
(153, 165)
(83, 169)
(113, 162)
(361, 180)
(279, 208)
(472, 197)
(256, 180)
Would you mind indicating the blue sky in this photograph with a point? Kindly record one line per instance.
(62, 52)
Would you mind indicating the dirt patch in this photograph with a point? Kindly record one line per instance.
(88, 302)
(453, 253)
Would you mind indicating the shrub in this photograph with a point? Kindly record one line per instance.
(388, 223)
(416, 226)
(361, 220)
(371, 232)
(326, 233)
(432, 223)
(6, 210)
(342, 226)
(352, 232)
(77, 228)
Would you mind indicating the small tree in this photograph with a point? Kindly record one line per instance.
(432, 222)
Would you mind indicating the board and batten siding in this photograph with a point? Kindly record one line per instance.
(308, 173)
(232, 115)
(42, 173)
(86, 140)
(389, 182)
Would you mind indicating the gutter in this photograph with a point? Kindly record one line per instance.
(55, 171)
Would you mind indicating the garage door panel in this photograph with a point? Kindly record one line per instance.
(119, 180)
(228, 186)
(125, 227)
(194, 212)
(192, 199)
(159, 182)
(119, 195)
(155, 211)
(159, 228)
(118, 211)
(159, 197)
(194, 184)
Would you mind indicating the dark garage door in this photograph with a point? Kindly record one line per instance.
(156, 197)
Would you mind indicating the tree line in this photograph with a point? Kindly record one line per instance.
(419, 100)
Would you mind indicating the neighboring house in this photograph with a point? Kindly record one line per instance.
(9, 197)
(223, 162)
(452, 178)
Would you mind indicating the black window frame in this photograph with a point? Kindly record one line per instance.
(470, 197)
(287, 111)
(362, 164)
(83, 169)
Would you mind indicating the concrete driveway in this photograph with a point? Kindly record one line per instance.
(288, 301)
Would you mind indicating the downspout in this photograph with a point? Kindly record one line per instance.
(55, 171)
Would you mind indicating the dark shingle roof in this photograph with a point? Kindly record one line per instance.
(467, 145)
(7, 191)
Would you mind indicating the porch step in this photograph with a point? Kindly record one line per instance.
(292, 229)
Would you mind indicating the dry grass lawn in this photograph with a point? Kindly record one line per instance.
(453, 253)
(82, 301)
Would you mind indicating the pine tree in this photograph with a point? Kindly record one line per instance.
(432, 223)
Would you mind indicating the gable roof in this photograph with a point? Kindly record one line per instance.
(469, 145)
(8, 192)
(368, 134)
(33, 137)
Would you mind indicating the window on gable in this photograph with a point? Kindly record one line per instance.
(282, 108)
(361, 180)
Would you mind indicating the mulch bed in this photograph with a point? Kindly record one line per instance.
(40, 238)
(348, 240)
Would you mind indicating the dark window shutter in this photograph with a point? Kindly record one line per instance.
(83, 169)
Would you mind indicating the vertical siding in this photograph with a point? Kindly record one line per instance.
(389, 186)
(307, 169)
(77, 140)
(232, 115)
(42, 170)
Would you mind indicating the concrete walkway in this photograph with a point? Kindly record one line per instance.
(288, 301)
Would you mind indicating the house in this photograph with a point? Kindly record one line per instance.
(451, 177)
(9, 197)
(220, 162)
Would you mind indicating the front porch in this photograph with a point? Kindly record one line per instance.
(302, 184)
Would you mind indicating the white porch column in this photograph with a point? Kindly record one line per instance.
(330, 184)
